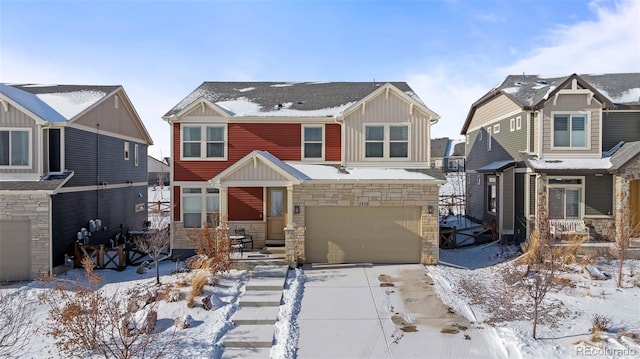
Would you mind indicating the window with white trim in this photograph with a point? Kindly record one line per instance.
(204, 142)
(489, 139)
(14, 147)
(453, 164)
(135, 154)
(496, 128)
(492, 194)
(512, 124)
(198, 201)
(518, 122)
(313, 142)
(565, 198)
(386, 141)
(570, 130)
(126, 151)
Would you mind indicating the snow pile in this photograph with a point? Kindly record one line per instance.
(70, 104)
(286, 332)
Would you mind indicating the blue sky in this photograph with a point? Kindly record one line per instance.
(450, 52)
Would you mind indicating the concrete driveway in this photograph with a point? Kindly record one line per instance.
(382, 311)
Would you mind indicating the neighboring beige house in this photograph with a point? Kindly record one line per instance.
(337, 172)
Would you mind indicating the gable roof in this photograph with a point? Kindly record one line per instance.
(299, 99)
(31, 103)
(619, 90)
(458, 149)
(440, 147)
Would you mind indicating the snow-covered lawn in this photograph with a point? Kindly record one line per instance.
(487, 296)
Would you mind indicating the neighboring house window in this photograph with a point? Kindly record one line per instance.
(313, 137)
(565, 198)
(488, 138)
(126, 151)
(480, 135)
(570, 130)
(478, 180)
(388, 141)
(194, 205)
(496, 128)
(453, 164)
(518, 123)
(491, 195)
(204, 142)
(512, 124)
(14, 147)
(135, 154)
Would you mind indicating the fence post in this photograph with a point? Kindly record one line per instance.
(121, 260)
(101, 256)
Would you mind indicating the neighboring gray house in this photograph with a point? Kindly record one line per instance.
(446, 155)
(69, 154)
(571, 140)
(455, 162)
(159, 171)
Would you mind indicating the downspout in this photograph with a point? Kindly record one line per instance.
(431, 123)
(540, 132)
(97, 170)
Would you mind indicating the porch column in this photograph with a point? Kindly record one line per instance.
(542, 206)
(223, 199)
(622, 210)
(289, 207)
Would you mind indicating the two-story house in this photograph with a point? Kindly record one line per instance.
(337, 172)
(71, 157)
(561, 148)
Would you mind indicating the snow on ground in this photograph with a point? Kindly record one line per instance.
(486, 295)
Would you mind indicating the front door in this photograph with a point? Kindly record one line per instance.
(276, 214)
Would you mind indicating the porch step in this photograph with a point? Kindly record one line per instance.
(265, 283)
(256, 316)
(246, 353)
(261, 298)
(249, 336)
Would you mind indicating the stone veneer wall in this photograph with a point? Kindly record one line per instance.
(35, 209)
(180, 235)
(309, 194)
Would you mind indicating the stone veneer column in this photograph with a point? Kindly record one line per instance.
(622, 203)
(542, 207)
(290, 240)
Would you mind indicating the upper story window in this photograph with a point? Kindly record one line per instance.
(126, 151)
(135, 154)
(386, 141)
(204, 142)
(492, 195)
(496, 128)
(313, 138)
(489, 138)
(14, 147)
(570, 130)
(518, 122)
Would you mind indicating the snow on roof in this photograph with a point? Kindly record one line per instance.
(326, 172)
(244, 107)
(32, 103)
(495, 166)
(283, 165)
(571, 164)
(70, 104)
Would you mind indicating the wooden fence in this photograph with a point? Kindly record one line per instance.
(452, 204)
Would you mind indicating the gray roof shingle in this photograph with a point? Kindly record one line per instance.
(301, 96)
(49, 183)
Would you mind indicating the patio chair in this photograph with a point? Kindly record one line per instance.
(247, 238)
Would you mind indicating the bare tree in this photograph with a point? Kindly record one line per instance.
(15, 324)
(213, 247)
(626, 228)
(156, 242)
(83, 319)
(538, 277)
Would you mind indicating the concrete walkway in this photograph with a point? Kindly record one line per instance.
(259, 306)
(381, 311)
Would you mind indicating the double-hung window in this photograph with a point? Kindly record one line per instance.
(387, 141)
(14, 147)
(492, 195)
(204, 142)
(313, 138)
(570, 130)
(565, 198)
(198, 205)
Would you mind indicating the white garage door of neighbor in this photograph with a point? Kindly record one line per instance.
(15, 250)
(362, 234)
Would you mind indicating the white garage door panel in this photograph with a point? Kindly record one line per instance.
(15, 250)
(362, 234)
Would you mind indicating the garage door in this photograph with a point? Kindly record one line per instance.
(15, 251)
(362, 234)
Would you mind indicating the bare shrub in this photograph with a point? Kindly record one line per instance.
(600, 323)
(569, 254)
(213, 249)
(84, 320)
(197, 284)
(15, 324)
